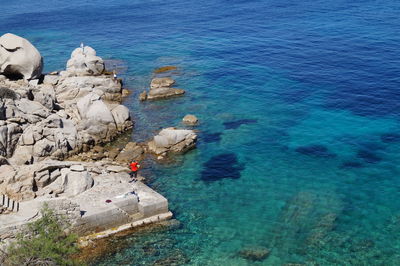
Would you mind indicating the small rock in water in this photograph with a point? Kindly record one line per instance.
(254, 253)
(190, 120)
(125, 92)
(161, 83)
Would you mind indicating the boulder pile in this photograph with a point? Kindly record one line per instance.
(64, 115)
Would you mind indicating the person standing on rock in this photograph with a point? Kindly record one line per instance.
(134, 168)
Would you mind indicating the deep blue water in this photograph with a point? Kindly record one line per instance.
(299, 104)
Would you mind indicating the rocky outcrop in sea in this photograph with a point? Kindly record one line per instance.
(48, 118)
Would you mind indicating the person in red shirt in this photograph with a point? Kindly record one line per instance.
(134, 168)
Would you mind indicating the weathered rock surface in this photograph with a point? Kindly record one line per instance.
(172, 140)
(84, 61)
(161, 82)
(19, 58)
(190, 120)
(161, 88)
(70, 88)
(131, 152)
(61, 117)
(164, 92)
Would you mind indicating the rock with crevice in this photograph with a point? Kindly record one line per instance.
(172, 140)
(19, 58)
(84, 61)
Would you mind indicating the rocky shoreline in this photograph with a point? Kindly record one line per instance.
(52, 128)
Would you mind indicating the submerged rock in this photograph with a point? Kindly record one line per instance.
(352, 164)
(221, 166)
(19, 58)
(368, 156)
(237, 123)
(190, 120)
(165, 69)
(254, 253)
(176, 257)
(315, 150)
(390, 137)
(211, 137)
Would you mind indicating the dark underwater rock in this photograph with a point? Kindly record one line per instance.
(315, 150)
(237, 123)
(352, 165)
(254, 253)
(368, 156)
(390, 137)
(221, 166)
(211, 137)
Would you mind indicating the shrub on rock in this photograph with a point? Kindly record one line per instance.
(45, 243)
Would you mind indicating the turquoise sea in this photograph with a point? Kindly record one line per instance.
(299, 103)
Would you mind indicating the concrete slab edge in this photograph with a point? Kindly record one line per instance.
(85, 240)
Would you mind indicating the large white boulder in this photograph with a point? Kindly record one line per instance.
(173, 140)
(121, 115)
(84, 62)
(19, 58)
(92, 108)
(77, 182)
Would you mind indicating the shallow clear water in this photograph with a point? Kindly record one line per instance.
(299, 110)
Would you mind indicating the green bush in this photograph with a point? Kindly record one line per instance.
(46, 243)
